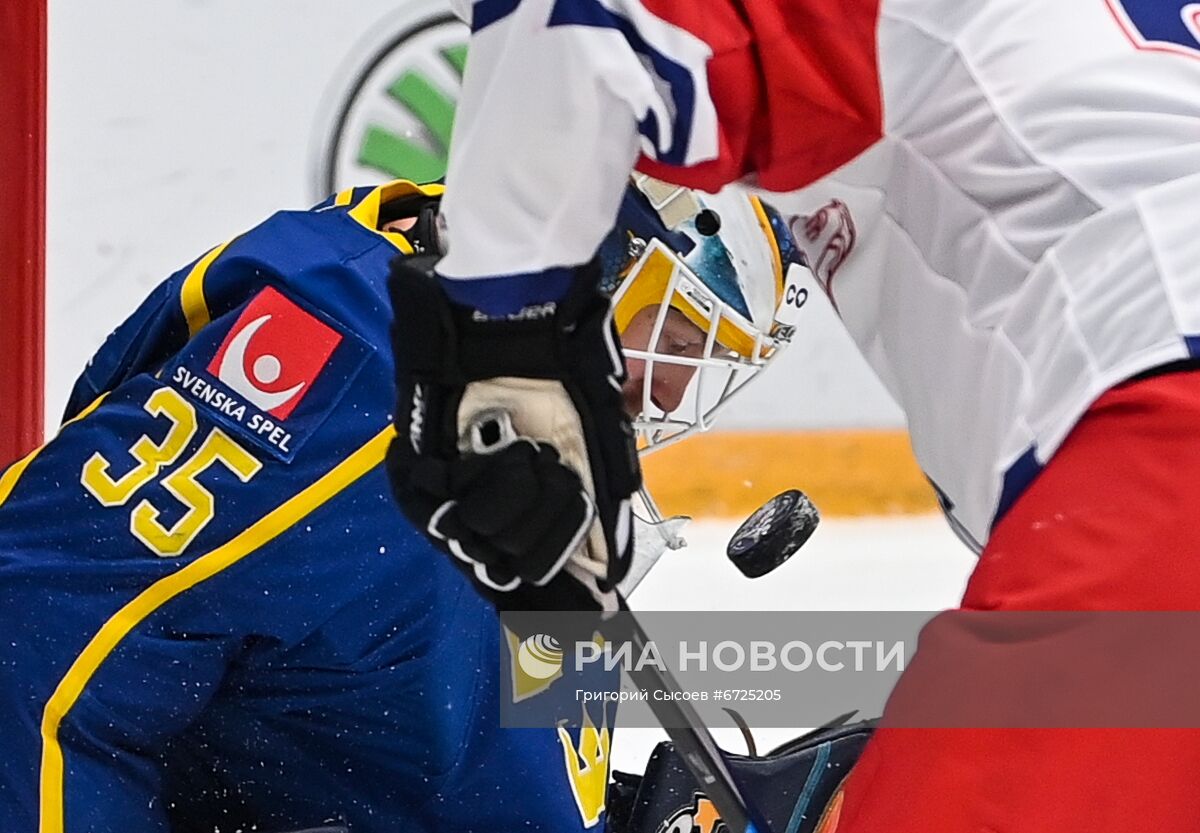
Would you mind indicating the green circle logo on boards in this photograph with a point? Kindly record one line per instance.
(394, 111)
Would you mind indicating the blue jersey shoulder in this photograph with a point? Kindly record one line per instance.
(329, 259)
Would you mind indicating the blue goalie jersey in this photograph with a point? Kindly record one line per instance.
(215, 619)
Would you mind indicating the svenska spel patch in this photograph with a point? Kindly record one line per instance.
(276, 374)
(274, 353)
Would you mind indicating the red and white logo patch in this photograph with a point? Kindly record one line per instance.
(274, 353)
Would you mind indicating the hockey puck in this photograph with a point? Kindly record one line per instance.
(773, 533)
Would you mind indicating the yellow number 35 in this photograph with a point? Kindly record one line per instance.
(182, 483)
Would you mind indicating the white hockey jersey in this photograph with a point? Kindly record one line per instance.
(1000, 197)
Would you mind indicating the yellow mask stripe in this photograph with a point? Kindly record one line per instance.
(729, 335)
(764, 222)
(110, 635)
(648, 287)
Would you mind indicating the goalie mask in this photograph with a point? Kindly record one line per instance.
(697, 282)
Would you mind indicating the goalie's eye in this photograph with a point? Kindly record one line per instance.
(681, 346)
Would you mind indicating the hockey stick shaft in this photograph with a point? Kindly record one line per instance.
(683, 726)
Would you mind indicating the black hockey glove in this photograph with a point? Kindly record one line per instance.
(513, 452)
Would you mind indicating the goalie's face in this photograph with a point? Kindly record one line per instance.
(667, 382)
(697, 284)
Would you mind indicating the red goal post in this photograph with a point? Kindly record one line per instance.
(22, 223)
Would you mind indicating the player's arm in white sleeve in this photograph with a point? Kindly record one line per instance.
(559, 97)
(513, 340)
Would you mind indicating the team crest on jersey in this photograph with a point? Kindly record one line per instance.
(275, 374)
(1160, 25)
(534, 665)
(700, 816)
(587, 759)
(829, 236)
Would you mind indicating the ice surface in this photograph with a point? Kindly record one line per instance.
(909, 563)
